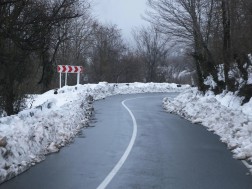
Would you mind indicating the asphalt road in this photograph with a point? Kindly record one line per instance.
(158, 151)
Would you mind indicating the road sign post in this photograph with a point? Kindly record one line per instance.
(78, 78)
(60, 79)
(65, 78)
(69, 69)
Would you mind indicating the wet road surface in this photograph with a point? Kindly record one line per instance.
(168, 152)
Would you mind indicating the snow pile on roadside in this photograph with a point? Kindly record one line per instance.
(221, 114)
(54, 119)
(33, 133)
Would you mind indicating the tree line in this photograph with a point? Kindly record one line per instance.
(38, 35)
(216, 33)
(186, 41)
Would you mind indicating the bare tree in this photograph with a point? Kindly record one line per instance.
(73, 42)
(189, 21)
(153, 47)
(218, 33)
(132, 67)
(25, 32)
(107, 52)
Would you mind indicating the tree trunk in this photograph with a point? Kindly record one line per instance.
(201, 84)
(9, 101)
(226, 42)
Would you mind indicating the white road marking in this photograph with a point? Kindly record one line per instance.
(247, 165)
(120, 163)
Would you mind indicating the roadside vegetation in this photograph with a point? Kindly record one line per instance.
(199, 42)
(216, 34)
(38, 35)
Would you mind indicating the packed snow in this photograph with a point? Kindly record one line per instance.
(53, 120)
(223, 114)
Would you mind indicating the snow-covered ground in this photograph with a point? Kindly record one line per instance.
(54, 119)
(222, 114)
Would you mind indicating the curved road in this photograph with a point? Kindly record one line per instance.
(164, 152)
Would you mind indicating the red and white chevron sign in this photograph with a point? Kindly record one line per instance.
(69, 69)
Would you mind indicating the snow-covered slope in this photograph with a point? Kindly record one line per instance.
(54, 119)
(222, 114)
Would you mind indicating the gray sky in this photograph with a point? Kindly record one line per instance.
(126, 14)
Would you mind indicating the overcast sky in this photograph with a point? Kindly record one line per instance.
(126, 14)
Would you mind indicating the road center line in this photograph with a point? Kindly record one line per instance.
(247, 165)
(120, 163)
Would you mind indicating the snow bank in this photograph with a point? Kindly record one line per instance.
(221, 114)
(54, 119)
(33, 133)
